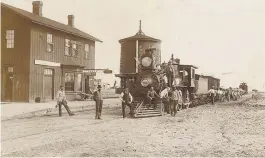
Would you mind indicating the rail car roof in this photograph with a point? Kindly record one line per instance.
(189, 66)
(50, 23)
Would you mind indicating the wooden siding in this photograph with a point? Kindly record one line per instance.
(18, 57)
(38, 51)
(128, 53)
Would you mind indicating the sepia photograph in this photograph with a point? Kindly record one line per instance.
(132, 78)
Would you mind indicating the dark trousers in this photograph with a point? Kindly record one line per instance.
(124, 106)
(212, 99)
(170, 80)
(98, 108)
(173, 107)
(64, 103)
(150, 101)
(166, 105)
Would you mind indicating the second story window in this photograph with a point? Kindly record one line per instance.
(74, 49)
(87, 51)
(49, 43)
(67, 47)
(10, 36)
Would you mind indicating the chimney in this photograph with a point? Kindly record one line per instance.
(37, 7)
(71, 20)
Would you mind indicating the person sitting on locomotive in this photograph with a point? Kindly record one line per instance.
(170, 73)
(126, 99)
(150, 97)
(165, 98)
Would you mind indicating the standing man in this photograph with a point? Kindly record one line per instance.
(151, 94)
(61, 100)
(126, 99)
(174, 101)
(180, 98)
(212, 94)
(98, 98)
(165, 99)
(170, 74)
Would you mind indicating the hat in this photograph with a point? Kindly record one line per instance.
(99, 86)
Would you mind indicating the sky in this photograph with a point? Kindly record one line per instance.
(224, 38)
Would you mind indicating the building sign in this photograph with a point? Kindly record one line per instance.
(47, 63)
(90, 73)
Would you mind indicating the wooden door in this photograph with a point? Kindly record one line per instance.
(48, 84)
(8, 83)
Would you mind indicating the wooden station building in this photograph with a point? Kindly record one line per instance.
(39, 55)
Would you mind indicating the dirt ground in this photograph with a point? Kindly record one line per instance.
(228, 129)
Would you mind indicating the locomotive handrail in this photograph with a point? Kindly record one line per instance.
(138, 107)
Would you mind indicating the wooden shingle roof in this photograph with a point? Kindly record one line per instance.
(50, 23)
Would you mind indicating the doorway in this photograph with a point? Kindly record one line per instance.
(8, 83)
(48, 84)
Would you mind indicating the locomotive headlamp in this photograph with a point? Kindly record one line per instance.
(145, 82)
(146, 61)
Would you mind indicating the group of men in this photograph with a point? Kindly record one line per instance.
(172, 99)
(222, 95)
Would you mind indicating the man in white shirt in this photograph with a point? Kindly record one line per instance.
(61, 100)
(212, 94)
(126, 99)
(165, 98)
(180, 101)
(174, 101)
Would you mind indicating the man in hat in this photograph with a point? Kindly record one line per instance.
(98, 98)
(126, 99)
(170, 73)
(61, 100)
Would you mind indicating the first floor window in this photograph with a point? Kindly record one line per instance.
(69, 81)
(10, 36)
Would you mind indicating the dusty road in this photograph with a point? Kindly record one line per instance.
(220, 130)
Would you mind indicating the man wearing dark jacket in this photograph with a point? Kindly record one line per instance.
(170, 74)
(98, 98)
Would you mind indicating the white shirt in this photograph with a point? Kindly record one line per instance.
(211, 91)
(61, 96)
(164, 93)
(122, 94)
